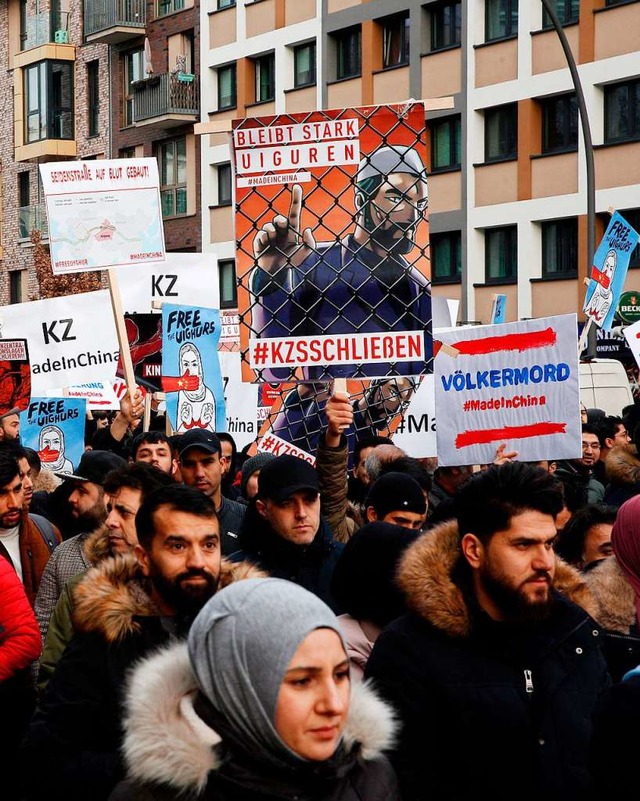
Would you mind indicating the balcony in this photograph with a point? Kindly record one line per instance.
(114, 21)
(32, 218)
(45, 28)
(168, 99)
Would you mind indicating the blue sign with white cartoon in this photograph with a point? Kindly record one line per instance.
(54, 427)
(191, 375)
(609, 271)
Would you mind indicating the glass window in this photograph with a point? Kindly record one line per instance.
(395, 40)
(446, 21)
(93, 97)
(501, 19)
(560, 248)
(622, 111)
(224, 184)
(265, 67)
(446, 148)
(501, 254)
(349, 53)
(169, 7)
(501, 133)
(226, 4)
(133, 71)
(172, 158)
(304, 65)
(446, 257)
(24, 195)
(24, 21)
(49, 101)
(127, 153)
(566, 10)
(227, 87)
(559, 124)
(228, 284)
(15, 286)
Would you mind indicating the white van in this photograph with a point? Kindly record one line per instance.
(604, 385)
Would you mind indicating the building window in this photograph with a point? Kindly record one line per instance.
(127, 153)
(446, 148)
(226, 4)
(133, 71)
(559, 124)
(228, 284)
(24, 21)
(446, 25)
(227, 87)
(622, 111)
(446, 257)
(24, 199)
(169, 7)
(501, 254)
(172, 157)
(15, 286)
(48, 88)
(567, 11)
(224, 184)
(265, 67)
(501, 133)
(304, 65)
(93, 97)
(395, 40)
(560, 248)
(501, 19)
(348, 53)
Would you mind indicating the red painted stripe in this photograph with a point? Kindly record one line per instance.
(532, 339)
(482, 436)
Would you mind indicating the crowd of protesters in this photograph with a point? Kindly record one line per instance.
(182, 620)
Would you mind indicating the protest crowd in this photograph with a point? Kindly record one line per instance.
(183, 620)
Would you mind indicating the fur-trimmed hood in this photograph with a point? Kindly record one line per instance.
(166, 742)
(623, 466)
(613, 594)
(96, 546)
(46, 481)
(115, 592)
(425, 575)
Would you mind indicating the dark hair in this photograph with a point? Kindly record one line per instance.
(570, 544)
(608, 427)
(149, 438)
(34, 459)
(369, 442)
(223, 436)
(9, 467)
(14, 448)
(488, 500)
(176, 498)
(139, 476)
(574, 491)
(591, 428)
(411, 467)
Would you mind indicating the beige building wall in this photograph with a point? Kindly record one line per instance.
(484, 301)
(617, 31)
(496, 183)
(547, 53)
(445, 191)
(496, 63)
(554, 175)
(441, 73)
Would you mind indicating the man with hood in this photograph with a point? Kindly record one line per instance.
(494, 671)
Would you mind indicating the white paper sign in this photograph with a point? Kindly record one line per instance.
(632, 335)
(72, 339)
(99, 395)
(514, 383)
(416, 432)
(241, 401)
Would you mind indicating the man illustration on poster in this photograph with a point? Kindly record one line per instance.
(362, 283)
(197, 407)
(51, 450)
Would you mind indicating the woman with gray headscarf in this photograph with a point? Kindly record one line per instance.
(257, 705)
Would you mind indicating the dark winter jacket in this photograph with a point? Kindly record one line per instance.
(75, 734)
(489, 710)
(172, 751)
(343, 516)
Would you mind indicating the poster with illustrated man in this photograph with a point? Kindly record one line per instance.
(54, 427)
(332, 231)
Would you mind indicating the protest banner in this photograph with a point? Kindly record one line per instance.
(99, 395)
(144, 333)
(332, 235)
(15, 375)
(72, 339)
(632, 336)
(189, 279)
(54, 427)
(416, 431)
(102, 213)
(498, 309)
(241, 400)
(191, 376)
(516, 383)
(608, 273)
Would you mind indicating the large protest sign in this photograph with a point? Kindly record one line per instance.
(515, 383)
(332, 234)
(15, 375)
(609, 270)
(54, 427)
(416, 431)
(72, 339)
(189, 279)
(191, 376)
(241, 401)
(103, 213)
(144, 332)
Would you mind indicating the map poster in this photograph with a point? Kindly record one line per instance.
(103, 213)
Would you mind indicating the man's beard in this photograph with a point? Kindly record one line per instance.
(514, 604)
(92, 518)
(186, 599)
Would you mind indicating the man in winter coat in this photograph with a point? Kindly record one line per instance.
(495, 672)
(124, 608)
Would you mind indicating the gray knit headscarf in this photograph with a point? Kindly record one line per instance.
(240, 646)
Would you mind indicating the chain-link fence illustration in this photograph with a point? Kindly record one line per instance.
(332, 244)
